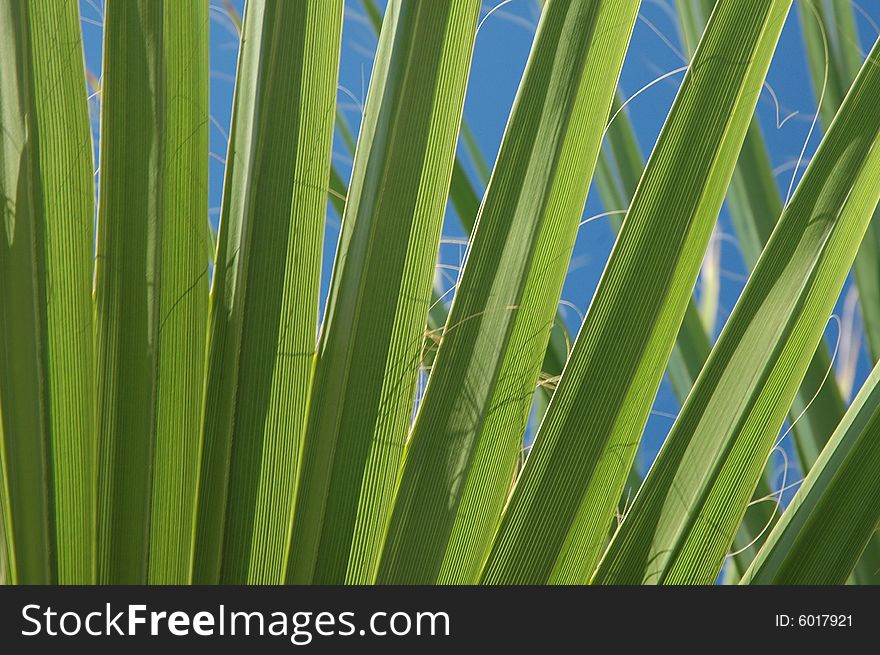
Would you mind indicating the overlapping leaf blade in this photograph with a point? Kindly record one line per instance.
(755, 204)
(617, 176)
(466, 202)
(832, 40)
(686, 513)
(380, 295)
(829, 522)
(467, 436)
(560, 511)
(834, 56)
(264, 299)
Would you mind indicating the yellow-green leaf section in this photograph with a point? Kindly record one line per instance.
(46, 250)
(151, 279)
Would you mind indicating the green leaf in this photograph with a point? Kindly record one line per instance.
(832, 45)
(710, 283)
(151, 285)
(467, 437)
(692, 18)
(867, 276)
(464, 198)
(559, 513)
(754, 204)
(5, 564)
(338, 191)
(371, 339)
(374, 15)
(625, 157)
(348, 138)
(620, 168)
(264, 299)
(466, 202)
(818, 27)
(685, 516)
(46, 250)
(617, 175)
(829, 522)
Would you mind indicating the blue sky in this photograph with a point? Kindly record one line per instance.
(500, 54)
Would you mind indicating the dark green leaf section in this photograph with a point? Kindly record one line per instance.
(338, 191)
(264, 299)
(476, 156)
(829, 522)
(558, 516)
(371, 338)
(755, 204)
(467, 437)
(151, 286)
(687, 512)
(46, 250)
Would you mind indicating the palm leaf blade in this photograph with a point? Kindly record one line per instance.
(467, 436)
(151, 286)
(371, 339)
(561, 508)
(757, 364)
(264, 299)
(829, 522)
(46, 249)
